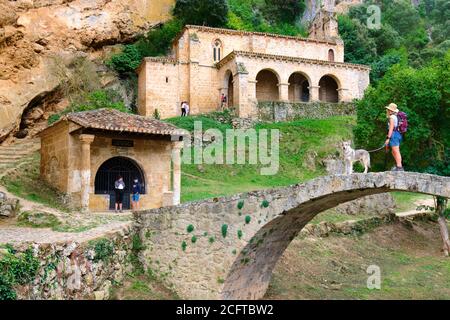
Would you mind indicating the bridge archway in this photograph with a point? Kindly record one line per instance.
(246, 254)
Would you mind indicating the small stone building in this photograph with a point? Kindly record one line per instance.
(249, 68)
(83, 153)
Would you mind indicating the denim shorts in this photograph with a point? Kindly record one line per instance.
(396, 139)
(135, 197)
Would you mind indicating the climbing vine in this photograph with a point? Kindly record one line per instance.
(16, 269)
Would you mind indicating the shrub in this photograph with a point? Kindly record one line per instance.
(95, 100)
(16, 269)
(239, 234)
(247, 219)
(190, 228)
(104, 249)
(126, 61)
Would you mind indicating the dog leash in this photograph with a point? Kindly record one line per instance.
(376, 150)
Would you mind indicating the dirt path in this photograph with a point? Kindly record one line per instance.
(422, 202)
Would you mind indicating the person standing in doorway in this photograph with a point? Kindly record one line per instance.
(119, 187)
(183, 109)
(187, 107)
(223, 102)
(136, 194)
(394, 137)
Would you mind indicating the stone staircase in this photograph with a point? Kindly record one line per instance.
(17, 155)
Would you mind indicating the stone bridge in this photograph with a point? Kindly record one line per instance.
(227, 248)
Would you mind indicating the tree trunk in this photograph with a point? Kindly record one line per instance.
(441, 205)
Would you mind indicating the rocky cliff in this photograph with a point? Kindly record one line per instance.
(35, 35)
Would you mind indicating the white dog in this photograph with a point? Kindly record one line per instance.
(351, 156)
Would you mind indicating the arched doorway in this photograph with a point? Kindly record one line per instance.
(109, 171)
(328, 91)
(267, 86)
(230, 91)
(298, 88)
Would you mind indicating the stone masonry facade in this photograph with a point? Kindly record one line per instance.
(247, 67)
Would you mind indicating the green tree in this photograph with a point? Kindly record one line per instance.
(212, 13)
(424, 94)
(359, 46)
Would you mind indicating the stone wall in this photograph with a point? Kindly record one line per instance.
(377, 204)
(77, 270)
(288, 111)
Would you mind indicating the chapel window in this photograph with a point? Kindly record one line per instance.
(331, 55)
(217, 50)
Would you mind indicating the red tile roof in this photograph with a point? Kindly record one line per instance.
(114, 120)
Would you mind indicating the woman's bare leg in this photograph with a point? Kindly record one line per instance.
(397, 156)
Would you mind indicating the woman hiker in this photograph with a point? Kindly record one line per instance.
(394, 137)
(119, 187)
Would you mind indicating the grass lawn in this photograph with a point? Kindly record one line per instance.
(303, 145)
(410, 262)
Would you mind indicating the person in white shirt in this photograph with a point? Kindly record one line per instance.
(119, 187)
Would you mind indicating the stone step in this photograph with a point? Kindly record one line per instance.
(12, 157)
(14, 152)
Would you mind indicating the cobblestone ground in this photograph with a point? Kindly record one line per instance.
(45, 235)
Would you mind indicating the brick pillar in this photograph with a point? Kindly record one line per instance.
(283, 89)
(86, 140)
(314, 93)
(176, 158)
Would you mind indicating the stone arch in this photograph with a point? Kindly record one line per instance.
(267, 81)
(251, 271)
(299, 84)
(329, 86)
(331, 55)
(107, 173)
(228, 84)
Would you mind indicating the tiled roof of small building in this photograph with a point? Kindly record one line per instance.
(114, 120)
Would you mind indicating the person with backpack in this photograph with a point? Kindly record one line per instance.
(397, 126)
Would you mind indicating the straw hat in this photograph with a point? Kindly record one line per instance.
(393, 107)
